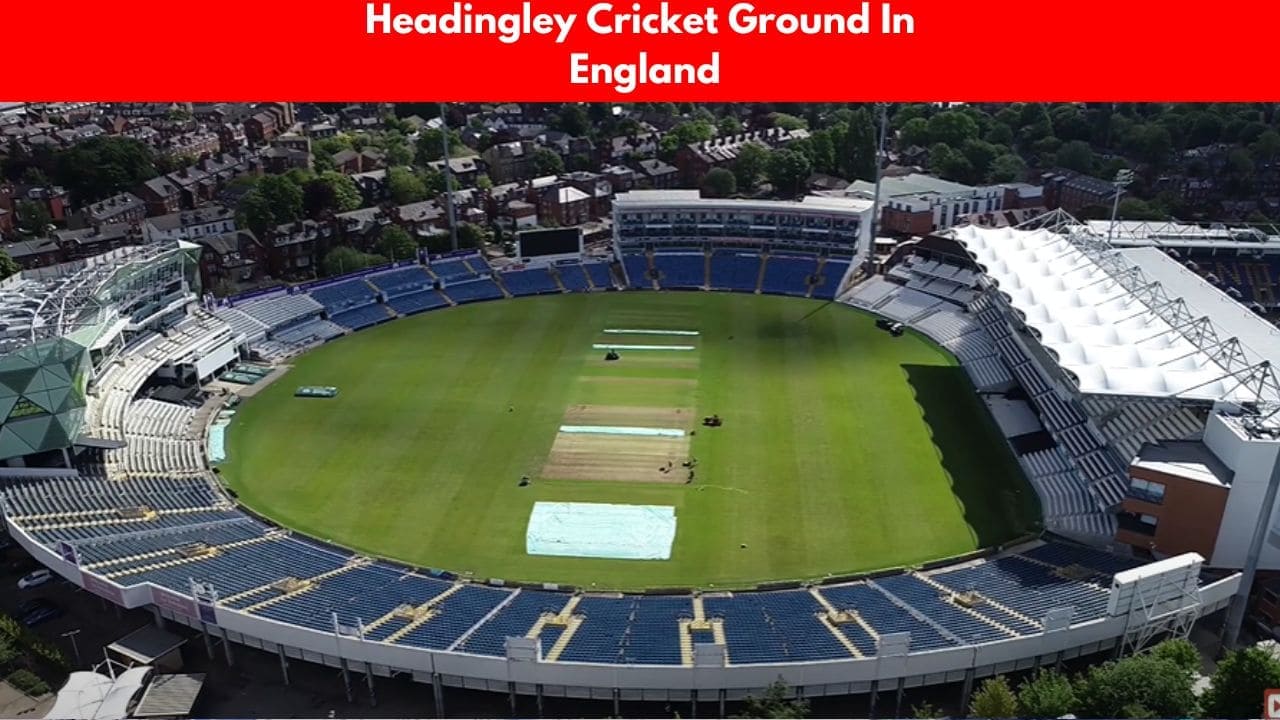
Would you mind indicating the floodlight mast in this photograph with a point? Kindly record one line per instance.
(875, 203)
(448, 180)
(1124, 178)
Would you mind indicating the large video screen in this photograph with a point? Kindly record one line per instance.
(556, 241)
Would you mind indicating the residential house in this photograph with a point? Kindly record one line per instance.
(161, 196)
(1073, 191)
(230, 260)
(621, 178)
(697, 159)
(36, 253)
(510, 161)
(277, 160)
(293, 248)
(54, 198)
(628, 148)
(190, 225)
(123, 208)
(598, 189)
(261, 128)
(655, 174)
(465, 170)
(87, 242)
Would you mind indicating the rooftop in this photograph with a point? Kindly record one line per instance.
(1185, 459)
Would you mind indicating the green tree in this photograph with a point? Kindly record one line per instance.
(1047, 694)
(344, 259)
(914, 132)
(254, 212)
(1138, 686)
(8, 266)
(405, 186)
(483, 182)
(572, 119)
(396, 243)
(787, 122)
(1075, 155)
(719, 183)
(33, 217)
(787, 170)
(471, 236)
(948, 164)
(952, 127)
(430, 145)
(104, 166)
(775, 702)
(1180, 652)
(980, 154)
(1007, 168)
(859, 160)
(994, 700)
(750, 165)
(684, 134)
(1235, 690)
(1267, 146)
(729, 125)
(330, 192)
(547, 162)
(283, 195)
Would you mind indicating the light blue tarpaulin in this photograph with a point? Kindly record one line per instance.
(600, 530)
(620, 430)
(217, 443)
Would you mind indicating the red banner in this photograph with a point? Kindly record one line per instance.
(633, 50)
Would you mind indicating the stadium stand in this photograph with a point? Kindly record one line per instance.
(361, 317)
(345, 295)
(731, 270)
(534, 281)
(417, 302)
(788, 275)
(830, 275)
(402, 281)
(152, 516)
(685, 270)
(473, 290)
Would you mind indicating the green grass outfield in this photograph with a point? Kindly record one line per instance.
(843, 449)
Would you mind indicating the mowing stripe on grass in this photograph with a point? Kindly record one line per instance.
(615, 331)
(620, 430)
(602, 346)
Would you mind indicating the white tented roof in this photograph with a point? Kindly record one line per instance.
(1100, 331)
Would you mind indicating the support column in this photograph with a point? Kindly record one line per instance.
(156, 617)
(966, 690)
(1057, 661)
(875, 690)
(346, 679)
(284, 664)
(693, 704)
(722, 694)
(897, 703)
(511, 698)
(208, 641)
(226, 648)
(437, 689)
(617, 702)
(537, 691)
(368, 679)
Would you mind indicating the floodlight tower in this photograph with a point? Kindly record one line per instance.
(1124, 178)
(875, 203)
(448, 180)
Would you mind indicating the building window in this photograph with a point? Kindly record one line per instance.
(1139, 523)
(1147, 491)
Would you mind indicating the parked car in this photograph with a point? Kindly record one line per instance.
(40, 612)
(35, 579)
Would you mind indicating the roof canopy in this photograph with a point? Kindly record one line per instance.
(1116, 330)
